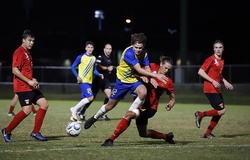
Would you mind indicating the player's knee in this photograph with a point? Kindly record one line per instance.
(142, 134)
(131, 114)
(222, 112)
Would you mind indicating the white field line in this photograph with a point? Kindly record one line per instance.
(120, 147)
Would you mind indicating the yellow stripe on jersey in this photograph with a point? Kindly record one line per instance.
(86, 67)
(126, 72)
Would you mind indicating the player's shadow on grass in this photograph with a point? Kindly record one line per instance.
(59, 137)
(161, 142)
(233, 135)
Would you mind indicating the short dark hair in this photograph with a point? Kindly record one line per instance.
(138, 38)
(218, 41)
(28, 33)
(89, 42)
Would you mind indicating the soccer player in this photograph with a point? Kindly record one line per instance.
(27, 89)
(127, 80)
(13, 104)
(211, 72)
(103, 65)
(85, 63)
(150, 106)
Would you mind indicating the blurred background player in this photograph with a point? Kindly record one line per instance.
(85, 64)
(150, 106)
(211, 72)
(13, 104)
(103, 65)
(126, 77)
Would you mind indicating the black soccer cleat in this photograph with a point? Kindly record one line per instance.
(89, 122)
(197, 119)
(108, 142)
(169, 138)
(208, 136)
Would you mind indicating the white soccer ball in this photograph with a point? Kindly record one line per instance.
(73, 129)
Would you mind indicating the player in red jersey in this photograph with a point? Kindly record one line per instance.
(211, 71)
(149, 108)
(27, 89)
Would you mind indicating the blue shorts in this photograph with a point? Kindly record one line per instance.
(120, 89)
(86, 90)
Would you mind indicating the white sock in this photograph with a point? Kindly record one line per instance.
(137, 102)
(101, 112)
(79, 105)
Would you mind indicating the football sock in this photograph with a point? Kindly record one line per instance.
(214, 121)
(136, 103)
(209, 113)
(81, 104)
(16, 120)
(101, 112)
(105, 101)
(39, 120)
(33, 109)
(121, 127)
(155, 134)
(11, 110)
(84, 108)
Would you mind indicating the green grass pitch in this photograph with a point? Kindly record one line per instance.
(232, 140)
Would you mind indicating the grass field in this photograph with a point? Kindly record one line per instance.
(232, 140)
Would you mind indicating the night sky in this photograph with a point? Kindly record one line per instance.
(62, 27)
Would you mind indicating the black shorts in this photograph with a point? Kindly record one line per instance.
(99, 83)
(145, 114)
(216, 100)
(27, 98)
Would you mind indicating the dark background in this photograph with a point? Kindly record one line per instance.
(62, 28)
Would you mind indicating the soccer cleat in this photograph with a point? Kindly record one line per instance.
(81, 116)
(169, 138)
(73, 113)
(89, 122)
(108, 142)
(209, 136)
(105, 117)
(11, 114)
(6, 136)
(72, 119)
(197, 119)
(38, 136)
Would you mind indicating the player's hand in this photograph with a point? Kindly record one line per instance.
(110, 68)
(144, 79)
(101, 76)
(162, 78)
(153, 82)
(168, 107)
(79, 80)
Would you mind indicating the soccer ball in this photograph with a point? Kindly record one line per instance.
(73, 129)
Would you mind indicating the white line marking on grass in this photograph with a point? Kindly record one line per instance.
(121, 147)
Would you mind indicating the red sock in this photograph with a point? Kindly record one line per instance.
(209, 113)
(11, 110)
(16, 120)
(214, 121)
(33, 109)
(121, 127)
(156, 135)
(39, 120)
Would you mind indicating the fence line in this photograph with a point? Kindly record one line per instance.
(179, 74)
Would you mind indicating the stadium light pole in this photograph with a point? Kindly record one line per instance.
(100, 16)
